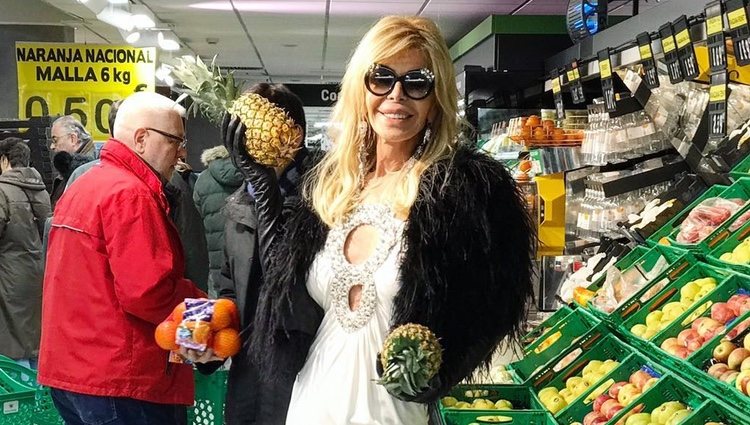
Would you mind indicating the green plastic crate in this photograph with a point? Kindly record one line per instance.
(583, 406)
(696, 366)
(669, 388)
(675, 222)
(703, 309)
(742, 169)
(576, 323)
(16, 400)
(713, 411)
(637, 311)
(740, 190)
(679, 261)
(210, 394)
(518, 417)
(606, 348)
(543, 327)
(520, 396)
(622, 264)
(572, 333)
(728, 245)
(44, 411)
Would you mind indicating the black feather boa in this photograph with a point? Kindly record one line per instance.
(466, 273)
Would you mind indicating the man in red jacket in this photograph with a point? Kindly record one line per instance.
(115, 269)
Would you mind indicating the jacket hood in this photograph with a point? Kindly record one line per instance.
(224, 172)
(25, 177)
(211, 154)
(66, 163)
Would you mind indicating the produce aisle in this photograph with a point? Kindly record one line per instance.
(643, 199)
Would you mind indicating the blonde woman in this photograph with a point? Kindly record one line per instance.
(399, 223)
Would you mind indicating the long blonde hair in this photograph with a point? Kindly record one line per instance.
(334, 188)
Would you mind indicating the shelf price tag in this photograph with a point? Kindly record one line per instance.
(739, 30)
(717, 51)
(605, 72)
(670, 53)
(685, 50)
(557, 93)
(717, 106)
(574, 82)
(650, 74)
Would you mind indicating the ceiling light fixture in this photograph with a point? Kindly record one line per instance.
(133, 37)
(167, 43)
(119, 1)
(143, 21)
(116, 17)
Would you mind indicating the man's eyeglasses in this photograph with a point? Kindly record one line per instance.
(417, 83)
(181, 140)
(54, 139)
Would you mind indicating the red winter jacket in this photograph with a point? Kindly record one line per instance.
(114, 271)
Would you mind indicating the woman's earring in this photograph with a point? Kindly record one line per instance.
(425, 141)
(363, 130)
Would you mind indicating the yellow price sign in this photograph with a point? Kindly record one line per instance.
(82, 80)
(667, 44)
(683, 38)
(573, 75)
(714, 25)
(645, 51)
(717, 93)
(556, 85)
(737, 18)
(605, 69)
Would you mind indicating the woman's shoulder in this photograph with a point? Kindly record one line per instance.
(467, 164)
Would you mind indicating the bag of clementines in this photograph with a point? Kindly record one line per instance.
(199, 324)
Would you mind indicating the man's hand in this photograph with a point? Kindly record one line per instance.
(195, 356)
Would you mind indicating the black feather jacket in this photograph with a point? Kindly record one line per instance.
(466, 273)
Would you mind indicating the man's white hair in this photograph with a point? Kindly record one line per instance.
(141, 104)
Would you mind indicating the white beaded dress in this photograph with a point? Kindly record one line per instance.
(337, 384)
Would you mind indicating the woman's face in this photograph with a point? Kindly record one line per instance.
(395, 117)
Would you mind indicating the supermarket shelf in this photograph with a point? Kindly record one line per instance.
(640, 180)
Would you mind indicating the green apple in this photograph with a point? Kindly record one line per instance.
(592, 367)
(639, 419)
(608, 366)
(689, 291)
(556, 404)
(503, 405)
(462, 405)
(662, 413)
(573, 382)
(653, 320)
(672, 311)
(627, 394)
(678, 416)
(546, 393)
(638, 330)
(449, 401)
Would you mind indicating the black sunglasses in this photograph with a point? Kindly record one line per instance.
(181, 140)
(417, 83)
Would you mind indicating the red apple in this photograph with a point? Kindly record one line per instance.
(599, 401)
(729, 376)
(739, 328)
(612, 411)
(708, 325)
(722, 313)
(639, 378)
(591, 417)
(681, 352)
(683, 336)
(735, 301)
(737, 357)
(744, 307)
(697, 322)
(718, 369)
(670, 342)
(614, 390)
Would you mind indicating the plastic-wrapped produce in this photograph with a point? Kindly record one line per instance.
(706, 217)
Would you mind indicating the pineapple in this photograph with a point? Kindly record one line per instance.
(272, 137)
(212, 92)
(411, 356)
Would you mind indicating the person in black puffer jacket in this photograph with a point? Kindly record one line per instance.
(217, 182)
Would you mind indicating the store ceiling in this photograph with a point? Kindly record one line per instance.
(298, 40)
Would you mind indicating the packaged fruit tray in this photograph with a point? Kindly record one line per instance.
(714, 413)
(562, 339)
(561, 389)
(740, 252)
(545, 326)
(574, 324)
(501, 397)
(705, 320)
(622, 264)
(635, 375)
(739, 190)
(720, 365)
(669, 401)
(678, 262)
(649, 320)
(513, 417)
(660, 236)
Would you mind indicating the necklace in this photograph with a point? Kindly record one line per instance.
(347, 275)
